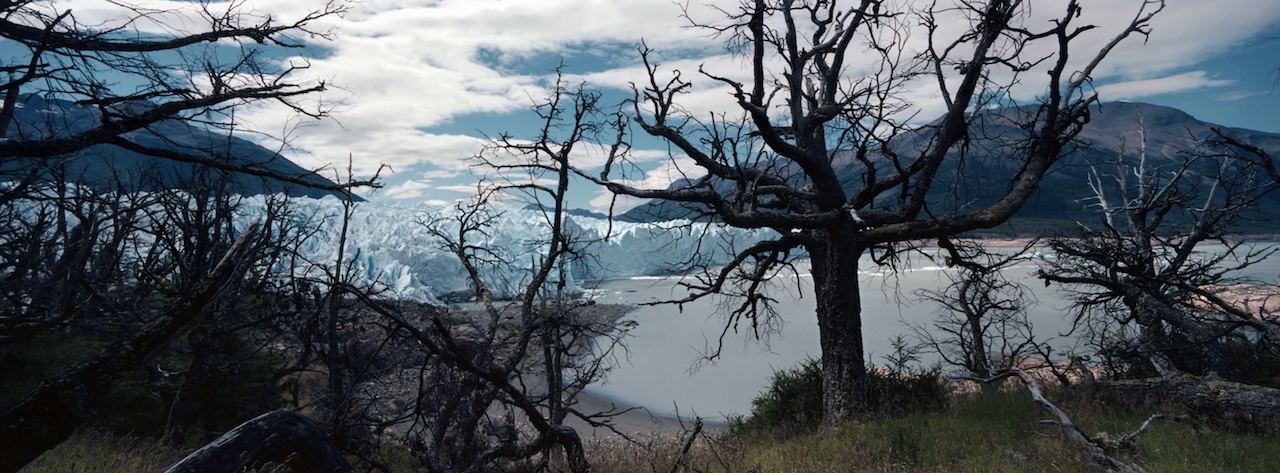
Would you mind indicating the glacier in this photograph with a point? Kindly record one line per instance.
(390, 248)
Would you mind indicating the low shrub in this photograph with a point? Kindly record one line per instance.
(793, 401)
(897, 393)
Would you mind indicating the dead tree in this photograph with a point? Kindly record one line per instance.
(982, 326)
(128, 77)
(529, 357)
(1235, 147)
(1209, 398)
(57, 57)
(827, 158)
(1144, 286)
(1092, 448)
(47, 416)
(68, 72)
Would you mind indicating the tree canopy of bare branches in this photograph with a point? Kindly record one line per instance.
(141, 268)
(142, 69)
(814, 148)
(1145, 285)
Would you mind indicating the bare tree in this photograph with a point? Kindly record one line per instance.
(499, 381)
(110, 83)
(553, 326)
(48, 415)
(1146, 286)
(982, 326)
(820, 153)
(1232, 146)
(140, 70)
(144, 267)
(523, 359)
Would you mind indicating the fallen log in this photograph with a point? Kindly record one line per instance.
(282, 437)
(1207, 397)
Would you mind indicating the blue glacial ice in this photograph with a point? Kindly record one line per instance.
(390, 248)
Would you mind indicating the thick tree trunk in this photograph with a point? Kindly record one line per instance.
(834, 262)
(1151, 312)
(282, 437)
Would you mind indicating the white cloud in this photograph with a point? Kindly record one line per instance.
(1186, 33)
(1134, 89)
(659, 178)
(409, 67)
(1191, 81)
(398, 149)
(440, 174)
(1243, 94)
(468, 189)
(409, 189)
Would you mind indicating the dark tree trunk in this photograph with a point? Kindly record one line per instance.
(193, 394)
(979, 358)
(1153, 314)
(834, 260)
(282, 437)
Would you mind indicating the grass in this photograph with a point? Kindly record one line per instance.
(989, 432)
(997, 431)
(96, 451)
(28, 363)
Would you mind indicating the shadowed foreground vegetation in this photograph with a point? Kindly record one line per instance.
(986, 431)
(921, 425)
(989, 431)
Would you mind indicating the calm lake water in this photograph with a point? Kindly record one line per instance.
(664, 370)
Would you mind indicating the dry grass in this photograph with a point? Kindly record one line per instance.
(986, 431)
(93, 451)
(989, 432)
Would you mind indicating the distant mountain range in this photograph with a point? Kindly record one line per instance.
(111, 167)
(1115, 128)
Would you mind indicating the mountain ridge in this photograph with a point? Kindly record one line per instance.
(1115, 127)
(110, 167)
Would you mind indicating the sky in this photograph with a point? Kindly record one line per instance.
(420, 84)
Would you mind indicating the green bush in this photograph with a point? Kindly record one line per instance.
(897, 393)
(793, 401)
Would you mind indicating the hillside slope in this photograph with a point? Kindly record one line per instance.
(112, 167)
(1117, 129)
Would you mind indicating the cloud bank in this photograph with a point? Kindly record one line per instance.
(408, 72)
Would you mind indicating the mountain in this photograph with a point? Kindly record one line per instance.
(571, 212)
(111, 167)
(1115, 128)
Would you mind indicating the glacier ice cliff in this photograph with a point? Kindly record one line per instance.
(390, 247)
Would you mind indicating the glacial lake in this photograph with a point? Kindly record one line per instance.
(663, 370)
